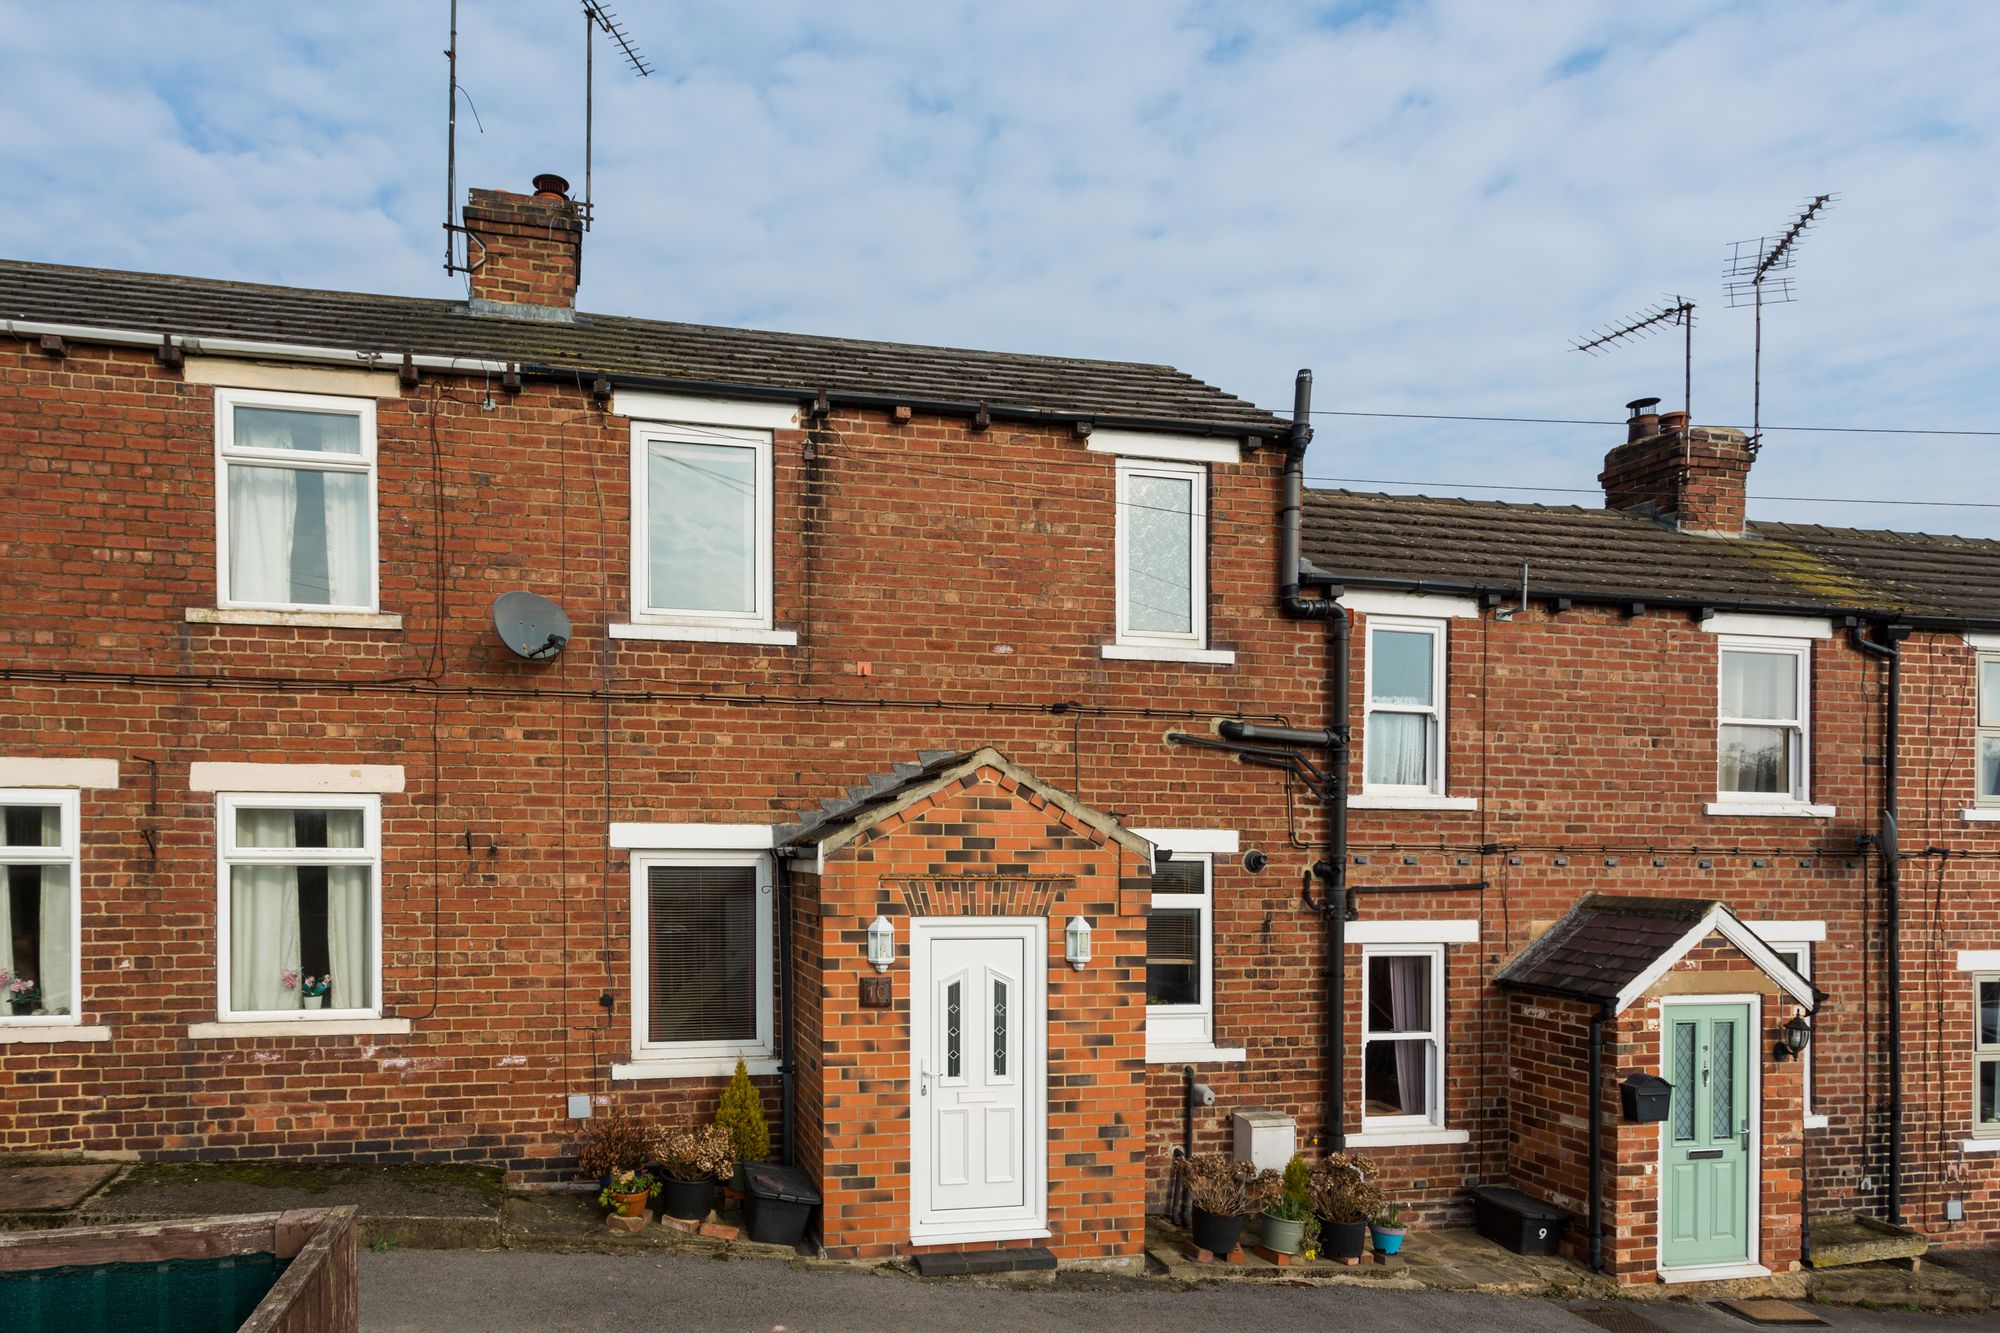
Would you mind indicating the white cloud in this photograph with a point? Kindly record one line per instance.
(1423, 202)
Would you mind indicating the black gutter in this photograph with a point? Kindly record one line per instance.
(1254, 434)
(1890, 880)
(1597, 1022)
(1334, 903)
(782, 887)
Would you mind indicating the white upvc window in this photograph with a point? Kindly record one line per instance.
(1986, 1056)
(701, 526)
(1403, 740)
(298, 911)
(1180, 951)
(1987, 791)
(702, 974)
(295, 501)
(1162, 554)
(1763, 735)
(1402, 1037)
(40, 908)
(1798, 953)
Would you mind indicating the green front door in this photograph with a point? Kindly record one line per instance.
(1705, 1214)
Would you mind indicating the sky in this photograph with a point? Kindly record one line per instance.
(1426, 203)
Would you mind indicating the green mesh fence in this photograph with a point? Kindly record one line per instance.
(172, 1296)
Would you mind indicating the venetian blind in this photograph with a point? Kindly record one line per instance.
(701, 949)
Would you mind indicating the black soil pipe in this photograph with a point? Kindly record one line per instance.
(783, 886)
(1597, 1022)
(1332, 869)
(1891, 881)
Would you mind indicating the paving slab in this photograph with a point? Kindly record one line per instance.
(49, 1187)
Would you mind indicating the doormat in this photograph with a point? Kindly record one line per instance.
(1616, 1319)
(1770, 1312)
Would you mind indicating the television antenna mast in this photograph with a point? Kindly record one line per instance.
(1759, 271)
(595, 18)
(1668, 312)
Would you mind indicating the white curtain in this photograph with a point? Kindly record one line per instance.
(348, 928)
(1760, 685)
(1398, 748)
(57, 966)
(263, 916)
(51, 967)
(266, 526)
(263, 505)
(6, 925)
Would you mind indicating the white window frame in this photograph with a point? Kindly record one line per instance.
(227, 400)
(1183, 1024)
(1983, 1053)
(1982, 734)
(1439, 630)
(699, 1058)
(645, 434)
(1435, 1071)
(1786, 943)
(1197, 475)
(1800, 651)
(68, 850)
(227, 854)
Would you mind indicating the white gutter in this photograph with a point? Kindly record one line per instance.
(341, 356)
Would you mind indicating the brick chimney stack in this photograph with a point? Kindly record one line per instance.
(1691, 478)
(526, 251)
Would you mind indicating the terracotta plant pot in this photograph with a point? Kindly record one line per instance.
(1218, 1233)
(630, 1205)
(689, 1200)
(1342, 1240)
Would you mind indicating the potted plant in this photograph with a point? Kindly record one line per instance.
(691, 1160)
(742, 1114)
(1224, 1193)
(23, 993)
(312, 991)
(627, 1193)
(1289, 1212)
(1387, 1229)
(1344, 1197)
(614, 1140)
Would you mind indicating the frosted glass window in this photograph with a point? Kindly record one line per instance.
(1161, 553)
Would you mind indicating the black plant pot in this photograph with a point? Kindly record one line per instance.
(1342, 1240)
(1218, 1233)
(689, 1200)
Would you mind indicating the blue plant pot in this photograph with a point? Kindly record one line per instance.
(1386, 1241)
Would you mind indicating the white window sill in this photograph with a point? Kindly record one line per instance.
(1193, 1053)
(1160, 652)
(1771, 809)
(238, 615)
(1980, 1145)
(52, 1034)
(1816, 1122)
(717, 1066)
(782, 638)
(1407, 1138)
(1990, 815)
(1713, 1273)
(1382, 801)
(303, 1027)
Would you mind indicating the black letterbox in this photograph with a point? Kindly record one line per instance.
(1646, 1097)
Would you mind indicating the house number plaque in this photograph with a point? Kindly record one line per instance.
(876, 992)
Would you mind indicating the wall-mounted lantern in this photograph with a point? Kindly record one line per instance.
(881, 943)
(1076, 943)
(1793, 1038)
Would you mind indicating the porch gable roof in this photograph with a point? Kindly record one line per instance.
(1611, 948)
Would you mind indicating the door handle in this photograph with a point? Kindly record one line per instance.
(923, 1079)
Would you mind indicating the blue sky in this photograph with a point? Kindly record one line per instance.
(1423, 202)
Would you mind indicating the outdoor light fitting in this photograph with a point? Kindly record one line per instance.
(881, 943)
(1076, 943)
(1794, 1038)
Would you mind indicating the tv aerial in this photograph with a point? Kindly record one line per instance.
(1759, 271)
(531, 625)
(1666, 313)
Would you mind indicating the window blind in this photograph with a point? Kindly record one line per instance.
(701, 953)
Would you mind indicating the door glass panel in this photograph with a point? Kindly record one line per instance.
(1000, 1029)
(1684, 1084)
(951, 1034)
(1723, 1084)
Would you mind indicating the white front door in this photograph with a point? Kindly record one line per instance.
(977, 1036)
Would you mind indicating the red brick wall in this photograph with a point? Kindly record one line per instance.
(523, 250)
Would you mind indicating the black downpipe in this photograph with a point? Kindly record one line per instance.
(782, 876)
(1891, 881)
(1597, 1022)
(1333, 904)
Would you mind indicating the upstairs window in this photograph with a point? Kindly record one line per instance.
(295, 501)
(1162, 554)
(1761, 749)
(301, 917)
(1403, 740)
(701, 550)
(1988, 792)
(39, 915)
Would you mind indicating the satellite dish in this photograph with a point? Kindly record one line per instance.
(532, 626)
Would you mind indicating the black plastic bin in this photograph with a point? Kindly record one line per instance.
(778, 1202)
(1521, 1222)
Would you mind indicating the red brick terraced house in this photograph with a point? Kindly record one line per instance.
(876, 718)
